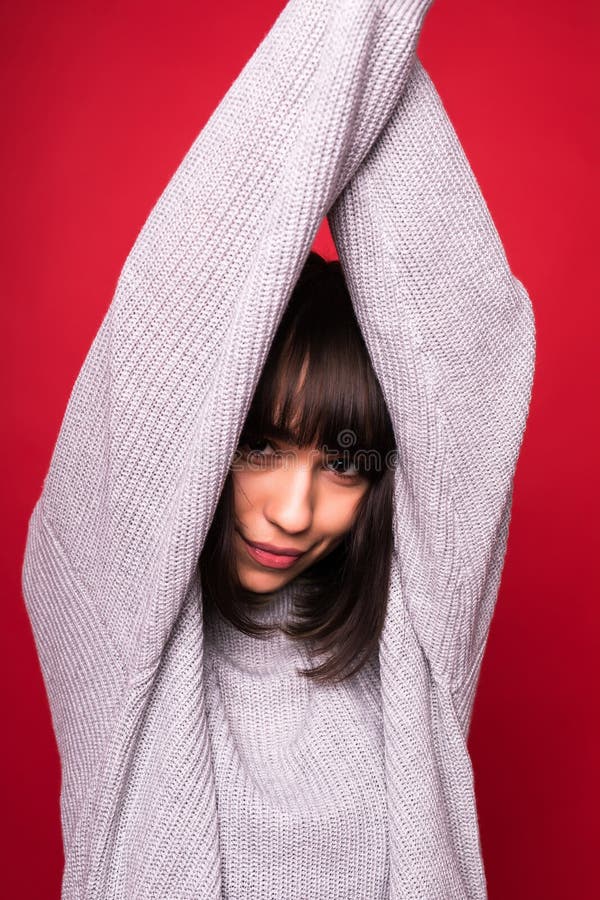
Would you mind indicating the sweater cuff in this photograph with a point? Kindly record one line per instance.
(412, 10)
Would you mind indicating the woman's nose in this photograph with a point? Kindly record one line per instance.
(290, 504)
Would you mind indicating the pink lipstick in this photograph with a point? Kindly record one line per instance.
(271, 556)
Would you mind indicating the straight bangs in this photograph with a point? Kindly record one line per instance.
(318, 386)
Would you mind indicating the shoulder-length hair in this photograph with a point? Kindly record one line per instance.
(341, 606)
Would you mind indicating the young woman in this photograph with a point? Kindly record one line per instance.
(235, 721)
(313, 472)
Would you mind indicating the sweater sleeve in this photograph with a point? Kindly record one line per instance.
(155, 413)
(451, 334)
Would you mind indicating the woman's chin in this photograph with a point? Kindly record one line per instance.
(263, 582)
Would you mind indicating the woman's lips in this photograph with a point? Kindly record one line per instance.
(270, 559)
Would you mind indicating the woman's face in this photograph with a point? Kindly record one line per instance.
(301, 501)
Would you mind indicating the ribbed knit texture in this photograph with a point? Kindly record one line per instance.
(299, 768)
(333, 115)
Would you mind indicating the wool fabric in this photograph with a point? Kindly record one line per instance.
(299, 769)
(171, 788)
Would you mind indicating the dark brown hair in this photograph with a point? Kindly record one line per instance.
(341, 608)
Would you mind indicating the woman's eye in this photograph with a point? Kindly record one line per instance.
(257, 448)
(343, 468)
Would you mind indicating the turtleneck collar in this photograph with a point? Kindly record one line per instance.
(272, 653)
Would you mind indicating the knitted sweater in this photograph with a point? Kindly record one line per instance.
(299, 770)
(333, 115)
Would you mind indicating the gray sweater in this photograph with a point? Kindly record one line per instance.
(186, 774)
(299, 769)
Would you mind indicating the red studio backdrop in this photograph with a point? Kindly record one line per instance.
(100, 103)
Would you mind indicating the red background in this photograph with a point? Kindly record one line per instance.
(100, 103)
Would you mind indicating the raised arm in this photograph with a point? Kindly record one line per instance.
(451, 334)
(155, 413)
